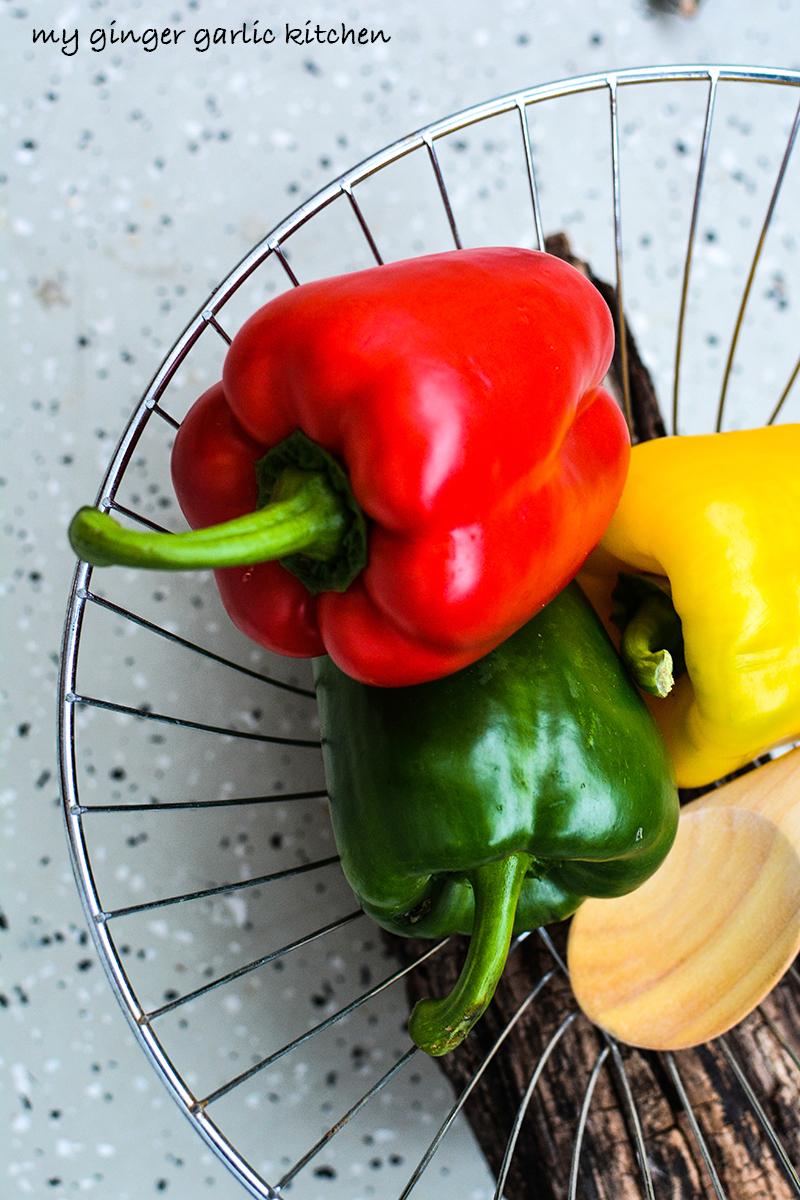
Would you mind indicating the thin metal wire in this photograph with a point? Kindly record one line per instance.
(622, 1074)
(165, 416)
(754, 265)
(763, 1119)
(713, 80)
(214, 323)
(170, 636)
(437, 170)
(792, 1053)
(511, 1145)
(299, 944)
(177, 805)
(82, 602)
(694, 1125)
(109, 503)
(784, 394)
(574, 1169)
(633, 1113)
(323, 1025)
(284, 263)
(147, 714)
(348, 191)
(224, 889)
(616, 183)
(526, 142)
(348, 1116)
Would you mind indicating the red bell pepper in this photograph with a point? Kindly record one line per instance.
(455, 439)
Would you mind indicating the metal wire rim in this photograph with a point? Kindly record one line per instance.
(81, 598)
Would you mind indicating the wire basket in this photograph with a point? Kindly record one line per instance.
(191, 772)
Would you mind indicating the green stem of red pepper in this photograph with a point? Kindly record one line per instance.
(307, 519)
(439, 1025)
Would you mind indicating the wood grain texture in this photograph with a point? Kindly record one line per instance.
(701, 943)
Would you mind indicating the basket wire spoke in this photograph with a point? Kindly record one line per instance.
(761, 1116)
(789, 1050)
(224, 889)
(623, 341)
(300, 944)
(178, 805)
(754, 266)
(85, 606)
(346, 1118)
(531, 172)
(701, 170)
(146, 714)
(622, 1074)
(697, 1132)
(185, 644)
(526, 1100)
(364, 998)
(784, 394)
(575, 1164)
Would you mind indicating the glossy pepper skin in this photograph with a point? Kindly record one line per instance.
(460, 394)
(495, 800)
(715, 520)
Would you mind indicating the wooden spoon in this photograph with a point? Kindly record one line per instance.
(701, 943)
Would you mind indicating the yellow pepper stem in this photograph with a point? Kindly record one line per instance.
(652, 637)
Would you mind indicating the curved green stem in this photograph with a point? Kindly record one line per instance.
(650, 668)
(652, 636)
(308, 517)
(439, 1025)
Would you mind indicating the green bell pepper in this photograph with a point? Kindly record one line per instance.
(496, 799)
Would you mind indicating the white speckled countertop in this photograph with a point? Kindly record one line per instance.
(132, 180)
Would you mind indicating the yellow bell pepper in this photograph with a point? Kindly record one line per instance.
(714, 520)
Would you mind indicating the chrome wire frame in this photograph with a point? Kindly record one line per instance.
(83, 600)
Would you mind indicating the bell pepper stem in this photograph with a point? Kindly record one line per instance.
(651, 668)
(651, 645)
(305, 515)
(439, 1025)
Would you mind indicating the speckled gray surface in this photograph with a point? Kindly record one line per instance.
(133, 180)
